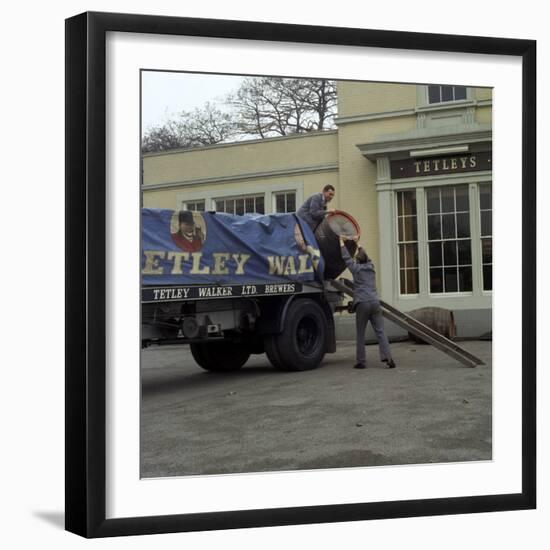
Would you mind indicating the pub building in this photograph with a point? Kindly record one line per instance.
(412, 163)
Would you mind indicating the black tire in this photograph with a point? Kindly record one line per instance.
(272, 351)
(197, 351)
(302, 343)
(220, 356)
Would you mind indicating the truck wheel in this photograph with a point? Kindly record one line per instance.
(220, 356)
(272, 351)
(301, 344)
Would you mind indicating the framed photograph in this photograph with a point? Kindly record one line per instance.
(300, 276)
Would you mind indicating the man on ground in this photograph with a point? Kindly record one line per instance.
(367, 305)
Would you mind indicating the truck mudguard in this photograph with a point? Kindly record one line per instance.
(200, 248)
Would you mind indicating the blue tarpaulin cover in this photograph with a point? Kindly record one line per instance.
(184, 247)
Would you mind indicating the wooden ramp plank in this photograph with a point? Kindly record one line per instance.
(418, 328)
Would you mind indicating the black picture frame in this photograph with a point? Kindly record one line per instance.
(86, 274)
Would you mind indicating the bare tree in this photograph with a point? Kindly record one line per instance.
(321, 101)
(205, 126)
(269, 106)
(262, 107)
(163, 137)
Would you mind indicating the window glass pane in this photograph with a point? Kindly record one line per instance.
(448, 226)
(411, 255)
(412, 281)
(487, 250)
(434, 95)
(460, 92)
(449, 253)
(487, 277)
(436, 255)
(291, 202)
(448, 200)
(434, 227)
(436, 280)
(462, 199)
(407, 233)
(260, 205)
(446, 93)
(400, 230)
(454, 254)
(239, 206)
(409, 203)
(462, 225)
(485, 197)
(280, 203)
(410, 228)
(433, 201)
(464, 252)
(487, 222)
(465, 279)
(451, 281)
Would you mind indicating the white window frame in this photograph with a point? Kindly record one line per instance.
(389, 261)
(481, 237)
(243, 197)
(451, 101)
(423, 104)
(427, 245)
(284, 192)
(398, 243)
(211, 192)
(185, 205)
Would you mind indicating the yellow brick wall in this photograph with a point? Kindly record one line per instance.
(171, 198)
(483, 93)
(484, 115)
(241, 158)
(357, 98)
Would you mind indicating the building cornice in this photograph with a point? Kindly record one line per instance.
(427, 138)
(374, 116)
(451, 105)
(411, 112)
(240, 177)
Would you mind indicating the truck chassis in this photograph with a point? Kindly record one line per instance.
(224, 324)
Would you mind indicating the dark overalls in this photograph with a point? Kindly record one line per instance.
(367, 307)
(313, 210)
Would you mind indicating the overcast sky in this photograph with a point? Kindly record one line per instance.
(164, 94)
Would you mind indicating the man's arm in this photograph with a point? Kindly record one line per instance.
(316, 208)
(350, 264)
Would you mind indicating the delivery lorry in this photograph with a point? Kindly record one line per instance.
(230, 286)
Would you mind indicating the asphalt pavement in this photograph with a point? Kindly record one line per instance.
(429, 409)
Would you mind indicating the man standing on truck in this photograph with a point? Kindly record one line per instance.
(367, 305)
(315, 208)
